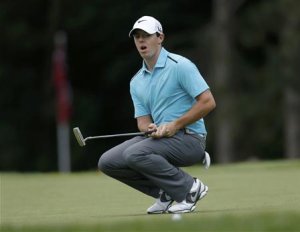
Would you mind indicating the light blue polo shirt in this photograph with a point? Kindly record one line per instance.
(168, 91)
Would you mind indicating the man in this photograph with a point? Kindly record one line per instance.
(170, 99)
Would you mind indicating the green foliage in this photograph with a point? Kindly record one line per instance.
(102, 60)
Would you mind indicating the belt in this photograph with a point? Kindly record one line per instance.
(189, 132)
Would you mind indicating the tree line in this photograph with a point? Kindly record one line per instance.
(248, 52)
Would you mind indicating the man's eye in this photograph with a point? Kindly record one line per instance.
(142, 36)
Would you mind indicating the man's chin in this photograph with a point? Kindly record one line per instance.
(144, 55)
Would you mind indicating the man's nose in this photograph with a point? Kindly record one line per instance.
(141, 38)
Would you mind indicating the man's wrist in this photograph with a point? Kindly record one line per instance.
(178, 125)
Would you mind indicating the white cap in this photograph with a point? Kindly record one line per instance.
(147, 24)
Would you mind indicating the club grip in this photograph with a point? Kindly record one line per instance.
(149, 132)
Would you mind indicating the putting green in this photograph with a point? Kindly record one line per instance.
(255, 196)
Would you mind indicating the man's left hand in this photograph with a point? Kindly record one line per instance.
(165, 130)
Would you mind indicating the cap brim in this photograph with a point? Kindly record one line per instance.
(143, 29)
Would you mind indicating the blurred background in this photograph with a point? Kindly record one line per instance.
(248, 52)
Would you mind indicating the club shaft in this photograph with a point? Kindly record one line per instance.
(115, 135)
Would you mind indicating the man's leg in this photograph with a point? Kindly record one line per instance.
(112, 163)
(158, 160)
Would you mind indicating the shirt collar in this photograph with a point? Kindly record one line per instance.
(161, 61)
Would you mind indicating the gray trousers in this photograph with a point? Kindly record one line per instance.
(149, 164)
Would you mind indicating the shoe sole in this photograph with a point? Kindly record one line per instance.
(207, 160)
(201, 195)
(161, 211)
(157, 212)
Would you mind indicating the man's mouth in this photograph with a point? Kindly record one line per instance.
(143, 48)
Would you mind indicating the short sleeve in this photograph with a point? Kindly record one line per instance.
(139, 108)
(190, 78)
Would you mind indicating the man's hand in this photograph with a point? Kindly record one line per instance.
(152, 127)
(165, 130)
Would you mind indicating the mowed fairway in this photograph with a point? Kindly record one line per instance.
(259, 196)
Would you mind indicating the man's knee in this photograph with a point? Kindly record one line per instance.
(133, 157)
(104, 162)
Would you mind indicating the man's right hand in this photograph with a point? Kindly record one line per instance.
(152, 127)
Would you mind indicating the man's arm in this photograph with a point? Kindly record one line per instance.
(205, 103)
(144, 122)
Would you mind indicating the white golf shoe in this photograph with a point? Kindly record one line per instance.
(206, 161)
(198, 191)
(161, 204)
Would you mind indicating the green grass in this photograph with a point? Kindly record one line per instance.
(259, 196)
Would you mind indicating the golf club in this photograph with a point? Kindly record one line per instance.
(82, 141)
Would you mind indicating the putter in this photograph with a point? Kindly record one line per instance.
(82, 141)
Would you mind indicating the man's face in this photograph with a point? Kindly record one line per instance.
(147, 45)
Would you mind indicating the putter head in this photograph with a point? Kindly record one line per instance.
(79, 136)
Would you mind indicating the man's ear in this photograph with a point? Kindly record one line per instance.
(161, 38)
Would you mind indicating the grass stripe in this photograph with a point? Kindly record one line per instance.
(255, 196)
